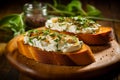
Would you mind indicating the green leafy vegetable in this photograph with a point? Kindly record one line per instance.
(59, 11)
(13, 22)
(92, 11)
(74, 8)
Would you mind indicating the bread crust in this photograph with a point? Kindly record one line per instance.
(102, 37)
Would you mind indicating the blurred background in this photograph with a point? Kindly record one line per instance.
(109, 9)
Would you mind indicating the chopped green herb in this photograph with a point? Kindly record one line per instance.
(57, 40)
(46, 32)
(53, 35)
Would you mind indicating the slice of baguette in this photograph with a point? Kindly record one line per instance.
(85, 29)
(83, 56)
(103, 36)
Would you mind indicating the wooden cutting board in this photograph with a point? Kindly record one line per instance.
(106, 56)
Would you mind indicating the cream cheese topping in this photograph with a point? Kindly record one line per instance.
(52, 41)
(73, 24)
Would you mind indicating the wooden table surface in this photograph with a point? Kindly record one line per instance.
(109, 8)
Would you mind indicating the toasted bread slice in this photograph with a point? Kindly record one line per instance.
(86, 29)
(83, 56)
(103, 36)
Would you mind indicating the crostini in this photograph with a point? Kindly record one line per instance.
(51, 47)
(85, 29)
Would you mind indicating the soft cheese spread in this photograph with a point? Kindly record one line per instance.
(73, 25)
(52, 41)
